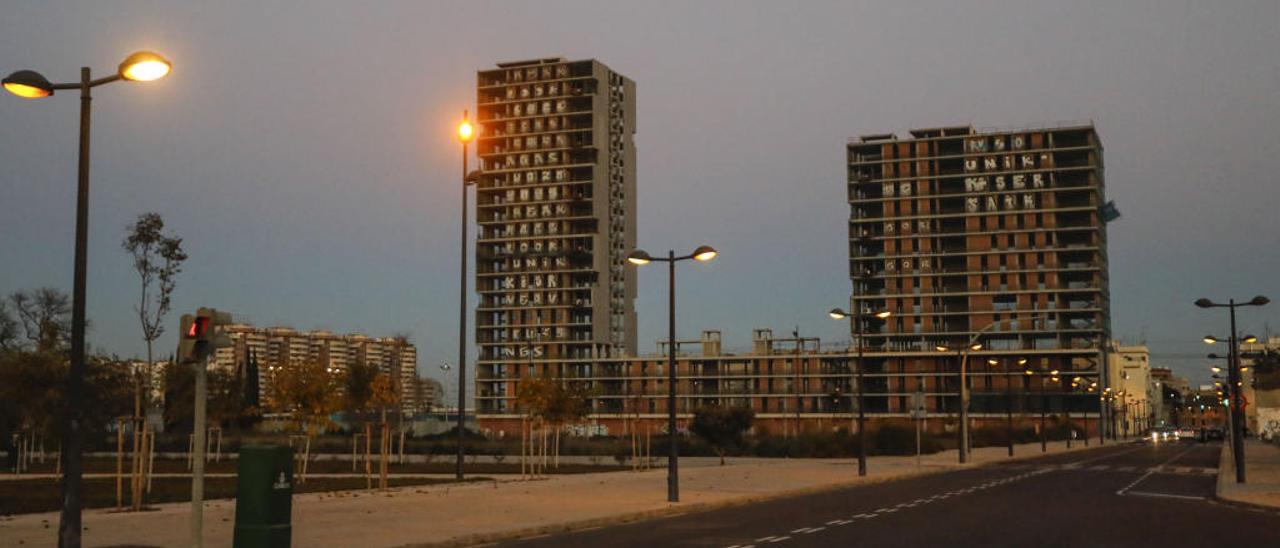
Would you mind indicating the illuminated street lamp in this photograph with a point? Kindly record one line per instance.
(639, 257)
(1008, 399)
(858, 321)
(142, 66)
(466, 133)
(1233, 375)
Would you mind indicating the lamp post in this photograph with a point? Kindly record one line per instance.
(858, 320)
(466, 133)
(1233, 376)
(1044, 402)
(640, 258)
(1008, 399)
(963, 355)
(142, 66)
(445, 368)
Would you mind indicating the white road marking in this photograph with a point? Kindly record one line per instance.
(766, 539)
(1126, 488)
(1163, 495)
(780, 539)
(813, 530)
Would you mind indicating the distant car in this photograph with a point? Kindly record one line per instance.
(1187, 434)
(1214, 434)
(1160, 435)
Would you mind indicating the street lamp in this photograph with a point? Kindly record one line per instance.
(838, 314)
(466, 132)
(1008, 398)
(639, 257)
(142, 66)
(963, 353)
(1233, 375)
(1044, 402)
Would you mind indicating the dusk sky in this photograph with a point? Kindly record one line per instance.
(305, 150)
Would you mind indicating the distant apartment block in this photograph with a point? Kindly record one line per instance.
(556, 213)
(428, 394)
(275, 346)
(999, 235)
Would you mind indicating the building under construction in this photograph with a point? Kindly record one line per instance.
(556, 214)
(987, 248)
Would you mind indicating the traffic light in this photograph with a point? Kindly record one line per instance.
(200, 334)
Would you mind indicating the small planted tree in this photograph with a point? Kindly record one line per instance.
(722, 428)
(158, 258)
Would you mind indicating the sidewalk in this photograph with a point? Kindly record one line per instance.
(1262, 478)
(486, 512)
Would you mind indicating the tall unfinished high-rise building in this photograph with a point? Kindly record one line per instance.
(989, 248)
(556, 212)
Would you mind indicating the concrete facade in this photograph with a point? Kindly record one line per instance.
(790, 384)
(1133, 389)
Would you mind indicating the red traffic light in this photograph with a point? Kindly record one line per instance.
(199, 326)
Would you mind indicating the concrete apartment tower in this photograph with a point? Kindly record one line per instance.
(956, 231)
(556, 210)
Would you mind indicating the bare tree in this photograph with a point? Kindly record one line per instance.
(45, 314)
(8, 329)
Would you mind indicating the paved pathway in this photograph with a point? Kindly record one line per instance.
(1262, 478)
(480, 512)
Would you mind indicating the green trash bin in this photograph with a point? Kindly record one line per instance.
(264, 496)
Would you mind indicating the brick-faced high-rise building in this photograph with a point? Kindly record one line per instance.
(995, 234)
(556, 212)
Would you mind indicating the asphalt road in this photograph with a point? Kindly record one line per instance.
(1118, 495)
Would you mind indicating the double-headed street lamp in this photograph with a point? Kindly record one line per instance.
(1233, 375)
(1008, 398)
(640, 258)
(963, 354)
(466, 133)
(858, 320)
(142, 66)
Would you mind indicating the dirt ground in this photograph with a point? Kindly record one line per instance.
(42, 495)
(445, 465)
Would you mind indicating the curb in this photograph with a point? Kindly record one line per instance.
(1226, 469)
(1226, 477)
(672, 511)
